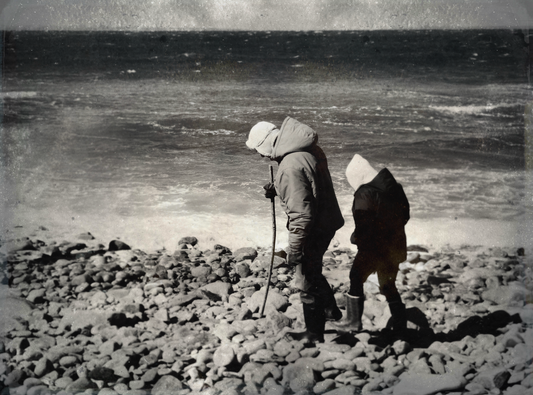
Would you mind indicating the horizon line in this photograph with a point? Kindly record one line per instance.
(268, 30)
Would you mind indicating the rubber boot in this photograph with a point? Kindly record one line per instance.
(398, 321)
(354, 313)
(315, 322)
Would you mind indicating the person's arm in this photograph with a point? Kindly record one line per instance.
(295, 190)
(365, 218)
(404, 204)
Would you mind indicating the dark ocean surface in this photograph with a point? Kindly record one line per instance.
(141, 135)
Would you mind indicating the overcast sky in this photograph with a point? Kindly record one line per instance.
(264, 14)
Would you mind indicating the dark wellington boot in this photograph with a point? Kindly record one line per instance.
(398, 321)
(315, 322)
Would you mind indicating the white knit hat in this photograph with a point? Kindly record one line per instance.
(359, 172)
(258, 135)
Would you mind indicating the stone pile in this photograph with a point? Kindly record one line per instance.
(80, 317)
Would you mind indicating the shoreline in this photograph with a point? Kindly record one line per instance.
(233, 231)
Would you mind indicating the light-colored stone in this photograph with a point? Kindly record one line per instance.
(224, 331)
(274, 301)
(299, 376)
(344, 390)
(224, 355)
(512, 294)
(426, 384)
(324, 386)
(166, 385)
(219, 288)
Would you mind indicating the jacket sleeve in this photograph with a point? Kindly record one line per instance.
(365, 218)
(296, 192)
(403, 203)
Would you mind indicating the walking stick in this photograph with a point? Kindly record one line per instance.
(273, 243)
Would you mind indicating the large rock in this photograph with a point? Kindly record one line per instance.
(167, 385)
(36, 295)
(188, 240)
(219, 288)
(274, 301)
(117, 245)
(13, 311)
(300, 376)
(201, 271)
(426, 384)
(224, 331)
(277, 321)
(263, 263)
(242, 269)
(224, 355)
(80, 319)
(512, 294)
(245, 253)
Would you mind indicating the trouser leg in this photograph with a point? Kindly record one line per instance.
(387, 282)
(364, 264)
(314, 286)
(314, 315)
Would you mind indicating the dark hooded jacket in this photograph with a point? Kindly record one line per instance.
(303, 184)
(380, 210)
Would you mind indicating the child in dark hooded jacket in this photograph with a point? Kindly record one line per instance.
(380, 210)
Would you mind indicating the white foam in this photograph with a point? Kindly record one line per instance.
(471, 109)
(17, 95)
(439, 232)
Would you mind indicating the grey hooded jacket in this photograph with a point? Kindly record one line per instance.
(303, 184)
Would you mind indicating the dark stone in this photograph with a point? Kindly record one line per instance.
(161, 272)
(416, 248)
(501, 379)
(437, 280)
(120, 320)
(281, 254)
(520, 252)
(73, 246)
(188, 240)
(117, 245)
(56, 254)
(133, 308)
(221, 249)
(181, 256)
(102, 373)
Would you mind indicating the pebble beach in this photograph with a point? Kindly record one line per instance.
(90, 316)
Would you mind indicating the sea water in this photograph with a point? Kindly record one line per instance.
(140, 135)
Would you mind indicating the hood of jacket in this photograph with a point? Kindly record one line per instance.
(359, 172)
(293, 136)
(384, 181)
